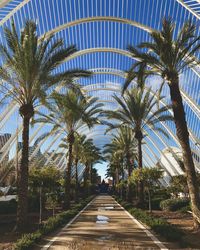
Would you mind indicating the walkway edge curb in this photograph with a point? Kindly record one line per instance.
(153, 237)
(66, 226)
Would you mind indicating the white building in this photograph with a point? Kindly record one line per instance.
(172, 162)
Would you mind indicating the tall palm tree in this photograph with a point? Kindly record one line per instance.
(169, 54)
(69, 113)
(115, 156)
(127, 144)
(90, 156)
(78, 147)
(28, 71)
(124, 143)
(139, 110)
(83, 151)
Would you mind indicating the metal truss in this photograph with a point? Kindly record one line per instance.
(186, 98)
(191, 7)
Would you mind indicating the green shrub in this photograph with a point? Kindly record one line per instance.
(27, 240)
(8, 207)
(155, 203)
(173, 204)
(185, 209)
(158, 225)
(126, 205)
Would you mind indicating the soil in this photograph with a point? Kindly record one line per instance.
(185, 222)
(8, 236)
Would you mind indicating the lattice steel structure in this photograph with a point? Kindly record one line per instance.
(102, 30)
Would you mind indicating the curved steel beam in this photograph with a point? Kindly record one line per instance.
(181, 2)
(88, 19)
(13, 11)
(6, 114)
(162, 102)
(105, 18)
(99, 19)
(188, 100)
(186, 97)
(99, 49)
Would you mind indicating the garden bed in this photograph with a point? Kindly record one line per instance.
(173, 226)
(8, 223)
(183, 221)
(9, 236)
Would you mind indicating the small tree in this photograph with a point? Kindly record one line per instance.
(52, 201)
(150, 177)
(44, 181)
(178, 184)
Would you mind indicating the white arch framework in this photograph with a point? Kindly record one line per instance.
(103, 54)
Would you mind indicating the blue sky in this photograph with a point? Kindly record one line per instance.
(101, 167)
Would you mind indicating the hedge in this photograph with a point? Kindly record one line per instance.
(158, 225)
(174, 204)
(53, 223)
(8, 207)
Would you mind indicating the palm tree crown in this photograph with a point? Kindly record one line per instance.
(29, 63)
(138, 109)
(69, 113)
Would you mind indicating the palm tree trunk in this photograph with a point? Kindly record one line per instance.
(86, 178)
(22, 209)
(91, 179)
(76, 177)
(149, 196)
(183, 137)
(129, 191)
(117, 179)
(140, 184)
(68, 172)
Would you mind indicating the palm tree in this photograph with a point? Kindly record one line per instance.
(78, 148)
(124, 143)
(139, 110)
(83, 152)
(114, 154)
(69, 113)
(90, 156)
(169, 54)
(110, 172)
(28, 71)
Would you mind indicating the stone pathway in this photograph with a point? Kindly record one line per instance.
(103, 225)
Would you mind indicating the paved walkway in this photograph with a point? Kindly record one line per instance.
(103, 225)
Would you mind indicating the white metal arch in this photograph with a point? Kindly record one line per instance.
(114, 88)
(189, 101)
